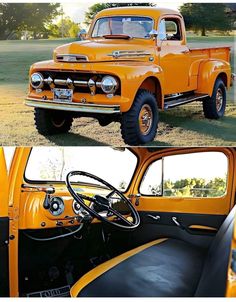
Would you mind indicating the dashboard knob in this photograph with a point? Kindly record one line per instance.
(55, 206)
(76, 207)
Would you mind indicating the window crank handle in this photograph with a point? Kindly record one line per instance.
(157, 217)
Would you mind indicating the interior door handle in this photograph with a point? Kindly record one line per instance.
(176, 222)
(157, 217)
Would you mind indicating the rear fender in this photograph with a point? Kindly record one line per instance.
(209, 71)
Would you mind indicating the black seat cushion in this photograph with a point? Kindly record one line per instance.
(169, 269)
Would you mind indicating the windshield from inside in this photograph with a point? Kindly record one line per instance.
(53, 163)
(135, 27)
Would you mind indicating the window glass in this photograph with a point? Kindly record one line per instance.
(53, 163)
(169, 29)
(202, 174)
(152, 180)
(135, 27)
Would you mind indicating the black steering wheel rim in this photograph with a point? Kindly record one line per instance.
(79, 198)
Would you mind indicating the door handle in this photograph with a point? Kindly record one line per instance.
(157, 217)
(176, 222)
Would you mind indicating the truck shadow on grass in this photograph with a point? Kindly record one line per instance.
(73, 139)
(221, 129)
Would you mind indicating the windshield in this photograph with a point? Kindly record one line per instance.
(53, 164)
(135, 27)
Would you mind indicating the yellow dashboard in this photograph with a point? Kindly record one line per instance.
(61, 210)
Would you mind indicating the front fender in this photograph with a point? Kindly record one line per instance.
(208, 73)
(132, 75)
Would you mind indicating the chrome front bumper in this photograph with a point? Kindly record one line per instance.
(75, 107)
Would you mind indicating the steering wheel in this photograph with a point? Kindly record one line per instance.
(103, 204)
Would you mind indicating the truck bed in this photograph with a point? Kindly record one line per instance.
(217, 52)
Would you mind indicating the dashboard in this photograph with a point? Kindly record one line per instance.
(39, 210)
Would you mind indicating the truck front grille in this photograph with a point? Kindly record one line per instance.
(79, 82)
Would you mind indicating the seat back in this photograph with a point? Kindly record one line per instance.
(214, 275)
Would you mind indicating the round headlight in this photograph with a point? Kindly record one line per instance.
(36, 80)
(109, 84)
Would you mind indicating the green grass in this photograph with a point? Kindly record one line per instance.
(17, 56)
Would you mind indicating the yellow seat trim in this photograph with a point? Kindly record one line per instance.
(104, 267)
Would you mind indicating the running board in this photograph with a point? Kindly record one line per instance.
(184, 100)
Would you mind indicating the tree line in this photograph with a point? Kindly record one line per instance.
(191, 187)
(39, 20)
(44, 20)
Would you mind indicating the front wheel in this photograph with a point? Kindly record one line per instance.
(50, 122)
(139, 124)
(214, 106)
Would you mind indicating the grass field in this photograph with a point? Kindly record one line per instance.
(183, 126)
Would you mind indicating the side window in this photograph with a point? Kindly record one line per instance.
(201, 174)
(170, 29)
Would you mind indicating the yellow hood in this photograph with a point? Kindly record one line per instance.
(104, 50)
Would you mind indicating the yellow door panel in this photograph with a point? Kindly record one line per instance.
(16, 176)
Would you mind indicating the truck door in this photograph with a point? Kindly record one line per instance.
(184, 192)
(174, 55)
(4, 227)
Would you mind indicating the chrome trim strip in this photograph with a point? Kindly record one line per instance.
(81, 83)
(75, 107)
(71, 58)
(128, 53)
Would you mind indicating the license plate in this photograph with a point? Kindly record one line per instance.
(62, 95)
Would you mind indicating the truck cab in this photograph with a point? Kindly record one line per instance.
(104, 222)
(134, 63)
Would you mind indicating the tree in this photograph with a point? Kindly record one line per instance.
(205, 16)
(94, 9)
(64, 28)
(193, 187)
(16, 17)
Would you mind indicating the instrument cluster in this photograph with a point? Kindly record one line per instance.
(57, 206)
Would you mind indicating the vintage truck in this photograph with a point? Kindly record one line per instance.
(134, 63)
(140, 228)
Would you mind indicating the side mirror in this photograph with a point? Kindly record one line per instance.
(153, 34)
(82, 34)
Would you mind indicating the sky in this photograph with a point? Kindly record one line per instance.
(77, 10)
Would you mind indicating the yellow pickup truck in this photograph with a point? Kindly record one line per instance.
(70, 225)
(134, 62)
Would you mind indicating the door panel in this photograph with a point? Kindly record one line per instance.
(199, 217)
(164, 226)
(174, 55)
(4, 227)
